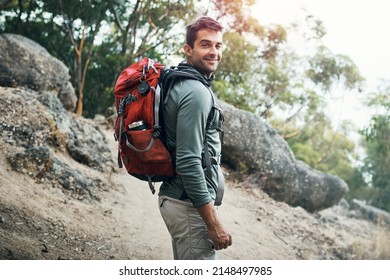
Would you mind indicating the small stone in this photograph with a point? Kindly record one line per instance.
(45, 249)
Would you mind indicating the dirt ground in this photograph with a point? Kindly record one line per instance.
(39, 221)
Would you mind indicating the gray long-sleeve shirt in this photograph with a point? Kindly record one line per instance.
(185, 116)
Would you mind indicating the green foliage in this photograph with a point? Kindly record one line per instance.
(101, 79)
(377, 162)
(29, 20)
(381, 98)
(317, 144)
(142, 27)
(377, 146)
(230, 13)
(358, 187)
(67, 29)
(325, 68)
(235, 71)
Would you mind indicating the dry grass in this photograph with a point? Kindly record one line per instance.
(378, 248)
(382, 243)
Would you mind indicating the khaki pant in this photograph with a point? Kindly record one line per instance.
(190, 240)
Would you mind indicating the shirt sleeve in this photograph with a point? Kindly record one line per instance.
(193, 109)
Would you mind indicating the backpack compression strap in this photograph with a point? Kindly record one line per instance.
(124, 102)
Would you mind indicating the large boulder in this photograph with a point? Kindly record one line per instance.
(24, 63)
(85, 142)
(318, 190)
(39, 119)
(253, 147)
(38, 129)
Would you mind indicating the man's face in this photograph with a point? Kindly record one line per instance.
(207, 51)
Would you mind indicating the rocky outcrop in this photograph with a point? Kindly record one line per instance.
(35, 99)
(24, 63)
(362, 210)
(84, 141)
(253, 147)
(38, 129)
(37, 162)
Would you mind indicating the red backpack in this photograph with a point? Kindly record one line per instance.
(137, 127)
(139, 99)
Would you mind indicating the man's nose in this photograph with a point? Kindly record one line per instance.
(214, 50)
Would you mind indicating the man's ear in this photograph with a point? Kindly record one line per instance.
(187, 50)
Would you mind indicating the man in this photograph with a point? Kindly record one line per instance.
(187, 200)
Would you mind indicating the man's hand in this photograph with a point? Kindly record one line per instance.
(220, 237)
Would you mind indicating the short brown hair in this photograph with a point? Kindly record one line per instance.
(203, 22)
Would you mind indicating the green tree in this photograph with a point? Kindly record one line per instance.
(102, 74)
(136, 29)
(82, 22)
(235, 71)
(323, 148)
(377, 144)
(146, 27)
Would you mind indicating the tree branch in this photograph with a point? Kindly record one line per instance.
(139, 53)
(117, 20)
(292, 134)
(291, 117)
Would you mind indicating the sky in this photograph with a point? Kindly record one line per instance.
(356, 28)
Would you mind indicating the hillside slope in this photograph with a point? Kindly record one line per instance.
(41, 221)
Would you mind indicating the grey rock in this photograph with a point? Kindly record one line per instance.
(75, 182)
(38, 163)
(318, 190)
(57, 111)
(45, 122)
(87, 144)
(253, 147)
(32, 161)
(24, 63)
(365, 211)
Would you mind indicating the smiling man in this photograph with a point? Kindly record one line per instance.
(205, 52)
(192, 123)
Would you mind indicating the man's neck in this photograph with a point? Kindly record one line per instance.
(209, 76)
